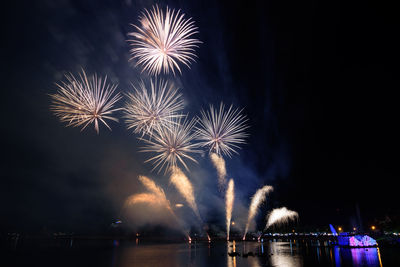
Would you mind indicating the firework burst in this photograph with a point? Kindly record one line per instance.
(172, 145)
(280, 216)
(163, 40)
(222, 130)
(150, 109)
(83, 100)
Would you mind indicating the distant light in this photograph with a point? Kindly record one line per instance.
(293, 230)
(373, 227)
(340, 229)
(233, 223)
(179, 205)
(354, 229)
(137, 234)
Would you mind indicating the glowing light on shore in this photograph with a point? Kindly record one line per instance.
(83, 100)
(163, 40)
(219, 164)
(221, 131)
(152, 106)
(256, 200)
(172, 145)
(185, 188)
(280, 216)
(229, 199)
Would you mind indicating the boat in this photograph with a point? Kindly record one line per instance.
(356, 240)
(353, 240)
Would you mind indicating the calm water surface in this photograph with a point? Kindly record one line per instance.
(127, 254)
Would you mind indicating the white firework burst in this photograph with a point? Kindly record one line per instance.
(222, 130)
(149, 109)
(83, 100)
(163, 40)
(280, 216)
(172, 145)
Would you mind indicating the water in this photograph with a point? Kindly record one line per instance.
(127, 254)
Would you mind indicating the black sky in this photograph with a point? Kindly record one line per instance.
(317, 79)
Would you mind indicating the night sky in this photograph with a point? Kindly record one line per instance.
(317, 80)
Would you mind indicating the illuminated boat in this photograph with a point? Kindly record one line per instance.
(356, 241)
(353, 240)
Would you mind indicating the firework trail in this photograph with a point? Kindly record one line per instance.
(219, 164)
(172, 145)
(185, 188)
(83, 100)
(142, 198)
(149, 109)
(280, 216)
(222, 130)
(229, 198)
(163, 40)
(256, 200)
(155, 197)
(157, 191)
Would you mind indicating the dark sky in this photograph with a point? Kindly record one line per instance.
(317, 80)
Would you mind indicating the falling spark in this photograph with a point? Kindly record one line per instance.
(229, 198)
(209, 238)
(172, 145)
(219, 164)
(222, 130)
(280, 216)
(185, 188)
(149, 109)
(83, 100)
(163, 40)
(256, 200)
(189, 239)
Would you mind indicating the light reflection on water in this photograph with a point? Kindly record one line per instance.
(216, 253)
(358, 256)
(265, 254)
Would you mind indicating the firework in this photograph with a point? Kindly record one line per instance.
(156, 191)
(83, 100)
(229, 198)
(163, 40)
(222, 130)
(149, 109)
(280, 216)
(172, 145)
(142, 198)
(185, 188)
(257, 199)
(219, 164)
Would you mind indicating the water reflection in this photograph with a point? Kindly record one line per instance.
(217, 253)
(359, 256)
(284, 255)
